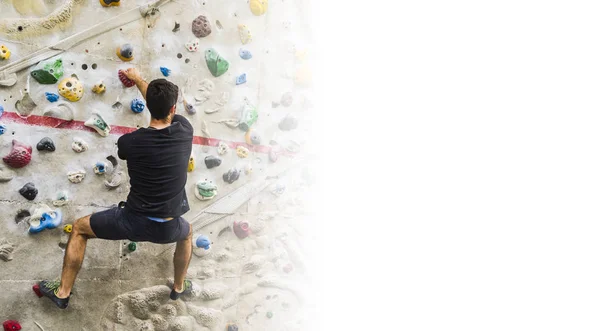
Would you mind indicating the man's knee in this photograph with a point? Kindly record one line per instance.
(82, 226)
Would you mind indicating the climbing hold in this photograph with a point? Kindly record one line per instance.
(259, 7)
(1, 110)
(242, 151)
(22, 215)
(68, 228)
(241, 229)
(36, 290)
(110, 3)
(201, 27)
(245, 54)
(287, 99)
(193, 45)
(212, 161)
(249, 115)
(248, 169)
(126, 81)
(6, 174)
(62, 198)
(76, 176)
(125, 52)
(26, 105)
(222, 148)
(79, 145)
(101, 168)
(51, 97)
(269, 314)
(132, 246)
(165, 71)
(62, 110)
(232, 327)
(112, 160)
(216, 64)
(28, 191)
(205, 190)
(189, 107)
(191, 164)
(177, 26)
(4, 52)
(99, 88)
(46, 144)
(203, 242)
(252, 138)
(303, 76)
(241, 79)
(231, 175)
(115, 180)
(137, 105)
(71, 88)
(48, 72)
(49, 220)
(273, 155)
(11, 325)
(245, 35)
(288, 268)
(19, 156)
(2, 129)
(97, 123)
(288, 123)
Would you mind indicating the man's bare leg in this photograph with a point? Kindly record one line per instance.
(181, 260)
(74, 254)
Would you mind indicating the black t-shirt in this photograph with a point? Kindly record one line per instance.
(157, 162)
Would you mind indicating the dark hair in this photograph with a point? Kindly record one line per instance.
(161, 95)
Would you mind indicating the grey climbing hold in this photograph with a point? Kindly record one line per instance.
(46, 144)
(231, 175)
(212, 161)
(29, 191)
(288, 123)
(6, 174)
(25, 106)
(61, 110)
(177, 26)
(22, 215)
(201, 27)
(287, 99)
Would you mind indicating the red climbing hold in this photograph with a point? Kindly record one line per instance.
(19, 156)
(36, 289)
(241, 229)
(11, 325)
(126, 81)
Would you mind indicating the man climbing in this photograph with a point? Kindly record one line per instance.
(157, 159)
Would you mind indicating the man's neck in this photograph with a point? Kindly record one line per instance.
(159, 124)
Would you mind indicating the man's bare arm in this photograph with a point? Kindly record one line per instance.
(134, 75)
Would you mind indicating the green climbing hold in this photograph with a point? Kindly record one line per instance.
(249, 115)
(216, 64)
(269, 314)
(48, 72)
(132, 246)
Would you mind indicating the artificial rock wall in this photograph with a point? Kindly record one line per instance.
(258, 282)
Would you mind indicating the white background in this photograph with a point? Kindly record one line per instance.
(460, 178)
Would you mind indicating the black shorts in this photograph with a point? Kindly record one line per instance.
(121, 223)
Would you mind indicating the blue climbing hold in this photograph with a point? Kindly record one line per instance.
(203, 242)
(245, 54)
(48, 221)
(137, 105)
(1, 110)
(2, 129)
(51, 97)
(165, 71)
(241, 79)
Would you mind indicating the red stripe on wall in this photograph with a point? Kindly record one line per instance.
(118, 130)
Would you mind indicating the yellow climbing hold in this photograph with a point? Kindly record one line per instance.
(68, 228)
(71, 88)
(259, 7)
(191, 164)
(110, 3)
(99, 88)
(245, 35)
(4, 52)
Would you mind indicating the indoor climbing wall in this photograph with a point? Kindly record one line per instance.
(243, 69)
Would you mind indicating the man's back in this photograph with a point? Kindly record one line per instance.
(157, 162)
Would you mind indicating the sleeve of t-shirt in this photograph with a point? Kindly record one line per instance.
(184, 122)
(122, 147)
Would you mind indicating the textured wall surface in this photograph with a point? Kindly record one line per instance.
(237, 281)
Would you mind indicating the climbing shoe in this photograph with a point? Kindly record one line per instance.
(187, 289)
(49, 288)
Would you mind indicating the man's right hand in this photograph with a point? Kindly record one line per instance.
(133, 74)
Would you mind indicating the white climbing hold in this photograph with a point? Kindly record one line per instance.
(76, 176)
(61, 110)
(79, 145)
